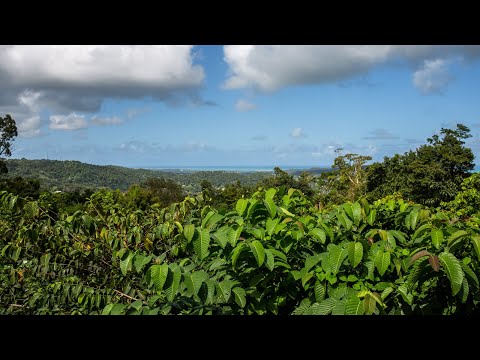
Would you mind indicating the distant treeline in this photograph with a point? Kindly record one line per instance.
(75, 175)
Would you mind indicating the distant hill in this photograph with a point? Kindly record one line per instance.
(70, 175)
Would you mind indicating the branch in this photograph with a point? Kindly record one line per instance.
(127, 296)
(16, 305)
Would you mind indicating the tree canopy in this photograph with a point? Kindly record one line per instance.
(8, 132)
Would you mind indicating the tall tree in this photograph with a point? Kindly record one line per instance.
(8, 132)
(429, 175)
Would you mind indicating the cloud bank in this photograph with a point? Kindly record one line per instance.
(77, 78)
(269, 68)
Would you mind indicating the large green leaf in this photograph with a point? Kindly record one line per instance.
(224, 290)
(476, 245)
(210, 291)
(355, 253)
(336, 256)
(194, 281)
(369, 304)
(270, 225)
(398, 235)
(270, 260)
(208, 216)
(140, 262)
(464, 291)
(453, 270)
(201, 243)
(371, 217)
(107, 309)
(391, 204)
(323, 308)
(189, 231)
(234, 234)
(422, 229)
(365, 206)
(407, 297)
(117, 309)
(413, 218)
(126, 262)
(319, 234)
(339, 308)
(241, 206)
(382, 262)
(270, 193)
(212, 221)
(357, 212)
(311, 261)
(469, 273)
(354, 306)
(415, 272)
(236, 253)
(328, 231)
(221, 237)
(271, 207)
(158, 275)
(437, 237)
(319, 290)
(344, 220)
(286, 212)
(172, 290)
(456, 235)
(258, 251)
(348, 210)
(240, 296)
(304, 305)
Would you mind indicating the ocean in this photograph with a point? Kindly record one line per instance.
(230, 168)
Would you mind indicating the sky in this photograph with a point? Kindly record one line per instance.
(234, 105)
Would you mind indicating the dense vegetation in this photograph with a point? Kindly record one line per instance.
(358, 240)
(75, 175)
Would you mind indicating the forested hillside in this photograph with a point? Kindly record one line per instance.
(70, 175)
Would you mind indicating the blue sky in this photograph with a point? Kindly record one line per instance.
(144, 106)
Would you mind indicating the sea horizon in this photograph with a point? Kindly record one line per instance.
(233, 168)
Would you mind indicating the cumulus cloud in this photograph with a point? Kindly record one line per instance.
(29, 127)
(297, 133)
(68, 122)
(380, 134)
(106, 120)
(244, 105)
(272, 67)
(432, 77)
(77, 78)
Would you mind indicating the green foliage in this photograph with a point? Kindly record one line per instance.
(8, 132)
(270, 253)
(430, 175)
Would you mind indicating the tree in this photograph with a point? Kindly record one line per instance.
(8, 131)
(280, 178)
(431, 174)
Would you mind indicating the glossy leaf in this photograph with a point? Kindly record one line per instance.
(453, 270)
(258, 251)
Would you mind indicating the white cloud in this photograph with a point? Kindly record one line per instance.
(297, 133)
(67, 122)
(77, 78)
(106, 120)
(244, 105)
(272, 67)
(432, 77)
(29, 127)
(155, 66)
